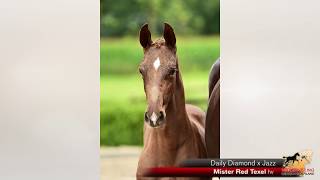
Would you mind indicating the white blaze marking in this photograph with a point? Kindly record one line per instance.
(153, 118)
(156, 64)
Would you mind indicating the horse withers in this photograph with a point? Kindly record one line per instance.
(173, 131)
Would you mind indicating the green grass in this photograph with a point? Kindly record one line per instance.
(122, 96)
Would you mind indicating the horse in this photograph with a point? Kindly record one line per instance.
(291, 158)
(212, 127)
(173, 130)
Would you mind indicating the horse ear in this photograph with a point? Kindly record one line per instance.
(169, 36)
(145, 36)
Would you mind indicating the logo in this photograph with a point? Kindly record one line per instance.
(295, 165)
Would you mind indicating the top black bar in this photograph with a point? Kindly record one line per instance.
(233, 163)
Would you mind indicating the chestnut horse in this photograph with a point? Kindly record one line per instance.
(173, 131)
(213, 113)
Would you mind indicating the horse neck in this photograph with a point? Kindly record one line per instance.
(177, 107)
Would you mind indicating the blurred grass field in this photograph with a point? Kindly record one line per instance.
(122, 101)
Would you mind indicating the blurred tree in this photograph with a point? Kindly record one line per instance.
(124, 17)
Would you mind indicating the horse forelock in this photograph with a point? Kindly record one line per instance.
(159, 42)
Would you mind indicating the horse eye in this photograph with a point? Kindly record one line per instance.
(140, 71)
(172, 72)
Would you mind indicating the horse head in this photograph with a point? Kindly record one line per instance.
(158, 70)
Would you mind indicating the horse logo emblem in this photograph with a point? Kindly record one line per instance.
(291, 159)
(298, 159)
(296, 164)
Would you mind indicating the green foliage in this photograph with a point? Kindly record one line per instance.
(125, 17)
(123, 55)
(122, 96)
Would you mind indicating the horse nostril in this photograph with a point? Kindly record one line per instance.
(161, 116)
(146, 117)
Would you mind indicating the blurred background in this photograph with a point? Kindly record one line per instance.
(197, 27)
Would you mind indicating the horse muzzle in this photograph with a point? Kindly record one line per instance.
(154, 119)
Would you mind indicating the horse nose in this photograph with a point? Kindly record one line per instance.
(155, 119)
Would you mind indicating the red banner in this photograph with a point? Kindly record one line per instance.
(223, 172)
